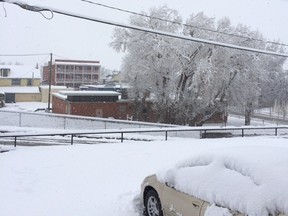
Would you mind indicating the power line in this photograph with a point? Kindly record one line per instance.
(37, 54)
(179, 23)
(61, 57)
(31, 54)
(147, 30)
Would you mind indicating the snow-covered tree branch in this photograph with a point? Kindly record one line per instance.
(189, 82)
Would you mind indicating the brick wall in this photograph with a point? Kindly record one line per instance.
(59, 106)
(46, 71)
(117, 110)
(102, 109)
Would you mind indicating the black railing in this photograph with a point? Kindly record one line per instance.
(204, 132)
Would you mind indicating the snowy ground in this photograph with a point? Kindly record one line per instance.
(91, 180)
(100, 179)
(24, 106)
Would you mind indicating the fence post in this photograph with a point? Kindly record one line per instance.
(15, 138)
(205, 135)
(276, 131)
(122, 137)
(64, 123)
(166, 135)
(242, 132)
(72, 135)
(20, 116)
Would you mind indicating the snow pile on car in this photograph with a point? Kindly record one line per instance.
(249, 179)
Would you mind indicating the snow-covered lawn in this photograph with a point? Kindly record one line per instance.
(100, 179)
(104, 179)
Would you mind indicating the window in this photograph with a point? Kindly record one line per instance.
(78, 76)
(87, 68)
(78, 68)
(87, 76)
(70, 69)
(95, 77)
(4, 72)
(60, 68)
(69, 77)
(95, 68)
(16, 82)
(60, 76)
(29, 82)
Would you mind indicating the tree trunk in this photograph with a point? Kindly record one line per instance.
(248, 113)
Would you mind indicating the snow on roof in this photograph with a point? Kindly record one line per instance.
(61, 96)
(20, 89)
(53, 87)
(22, 71)
(76, 62)
(249, 179)
(94, 86)
(122, 85)
(90, 93)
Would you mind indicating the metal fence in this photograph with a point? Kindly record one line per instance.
(204, 131)
(69, 122)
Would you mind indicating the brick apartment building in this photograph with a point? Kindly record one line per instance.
(72, 73)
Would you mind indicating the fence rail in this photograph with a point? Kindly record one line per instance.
(204, 131)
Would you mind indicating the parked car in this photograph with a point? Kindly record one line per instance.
(2, 99)
(160, 199)
(227, 182)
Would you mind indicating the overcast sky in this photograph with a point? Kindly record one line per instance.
(25, 32)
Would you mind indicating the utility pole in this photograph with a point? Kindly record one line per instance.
(50, 75)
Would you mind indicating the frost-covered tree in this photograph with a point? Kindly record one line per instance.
(273, 85)
(280, 92)
(258, 77)
(149, 63)
(189, 82)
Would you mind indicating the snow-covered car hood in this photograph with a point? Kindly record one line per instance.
(251, 179)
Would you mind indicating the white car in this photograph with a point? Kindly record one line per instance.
(249, 180)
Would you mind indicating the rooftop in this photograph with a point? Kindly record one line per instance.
(20, 89)
(53, 87)
(89, 93)
(76, 62)
(22, 71)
